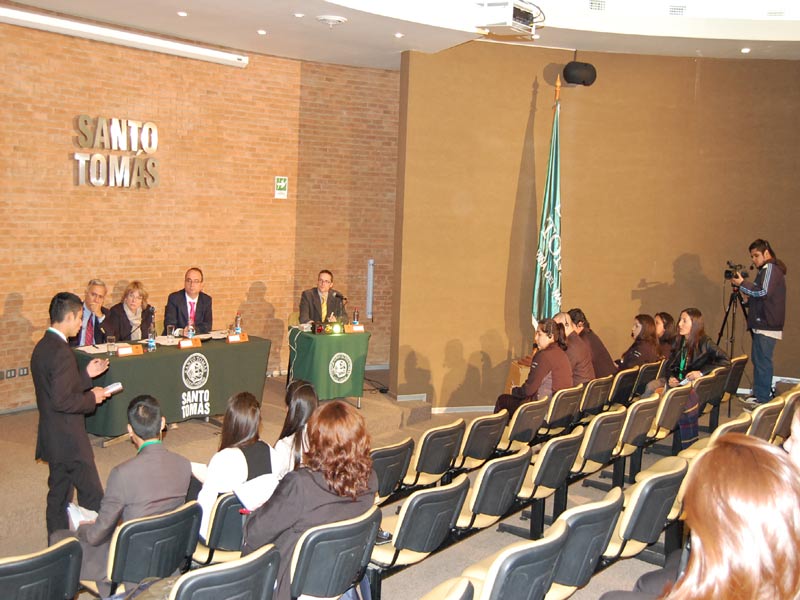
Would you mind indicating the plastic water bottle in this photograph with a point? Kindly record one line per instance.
(237, 323)
(355, 316)
(151, 332)
(189, 330)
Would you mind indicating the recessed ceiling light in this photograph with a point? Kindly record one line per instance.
(331, 20)
(399, 35)
(183, 13)
(299, 15)
(262, 32)
(745, 50)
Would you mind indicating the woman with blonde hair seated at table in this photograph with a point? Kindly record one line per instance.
(742, 507)
(130, 319)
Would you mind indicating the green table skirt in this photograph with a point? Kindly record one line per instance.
(334, 363)
(190, 383)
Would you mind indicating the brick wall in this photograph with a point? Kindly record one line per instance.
(224, 134)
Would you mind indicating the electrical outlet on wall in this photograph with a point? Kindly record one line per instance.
(23, 371)
(11, 373)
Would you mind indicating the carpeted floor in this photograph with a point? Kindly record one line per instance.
(25, 483)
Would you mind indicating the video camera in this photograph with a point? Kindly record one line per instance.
(733, 269)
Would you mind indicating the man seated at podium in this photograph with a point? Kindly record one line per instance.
(189, 305)
(323, 303)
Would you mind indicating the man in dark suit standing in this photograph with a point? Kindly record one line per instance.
(322, 303)
(152, 482)
(190, 304)
(94, 314)
(64, 394)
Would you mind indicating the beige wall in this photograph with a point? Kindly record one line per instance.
(225, 133)
(669, 167)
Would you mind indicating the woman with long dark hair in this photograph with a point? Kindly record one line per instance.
(693, 352)
(335, 482)
(550, 369)
(301, 400)
(665, 332)
(242, 457)
(645, 345)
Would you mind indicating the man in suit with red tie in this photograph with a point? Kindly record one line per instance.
(94, 314)
(189, 305)
(64, 394)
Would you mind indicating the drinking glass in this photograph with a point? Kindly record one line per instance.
(111, 345)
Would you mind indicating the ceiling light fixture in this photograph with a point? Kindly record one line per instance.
(119, 37)
(299, 15)
(331, 20)
(745, 50)
(183, 13)
(399, 35)
(262, 32)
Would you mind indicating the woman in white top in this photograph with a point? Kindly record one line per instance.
(242, 457)
(301, 400)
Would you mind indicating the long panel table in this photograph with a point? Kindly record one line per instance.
(334, 363)
(190, 383)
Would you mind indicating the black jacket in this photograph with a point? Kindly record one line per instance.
(766, 298)
(706, 357)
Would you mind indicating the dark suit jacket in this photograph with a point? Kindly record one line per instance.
(99, 330)
(301, 501)
(63, 398)
(117, 323)
(311, 307)
(152, 482)
(580, 359)
(177, 314)
(601, 359)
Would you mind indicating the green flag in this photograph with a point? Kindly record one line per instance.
(547, 280)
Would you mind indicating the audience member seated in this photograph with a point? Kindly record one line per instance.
(665, 332)
(152, 482)
(645, 344)
(189, 305)
(336, 482)
(578, 351)
(242, 457)
(94, 314)
(130, 319)
(601, 359)
(550, 370)
(693, 355)
(742, 507)
(302, 401)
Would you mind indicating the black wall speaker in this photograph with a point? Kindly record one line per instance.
(579, 72)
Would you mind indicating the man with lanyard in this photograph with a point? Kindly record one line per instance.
(766, 301)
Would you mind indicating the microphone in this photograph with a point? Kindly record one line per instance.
(338, 295)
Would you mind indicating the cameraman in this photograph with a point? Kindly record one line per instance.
(766, 299)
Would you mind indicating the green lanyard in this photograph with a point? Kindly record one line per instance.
(147, 443)
(682, 367)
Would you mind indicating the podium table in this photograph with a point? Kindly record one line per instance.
(191, 383)
(333, 363)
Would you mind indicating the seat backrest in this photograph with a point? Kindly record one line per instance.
(527, 420)
(589, 529)
(783, 426)
(225, 530)
(391, 464)
(328, 559)
(704, 388)
(735, 375)
(595, 395)
(555, 458)
(438, 448)
(526, 569)
(252, 577)
(427, 516)
(483, 435)
(602, 436)
(647, 372)
(498, 483)
(738, 425)
(564, 407)
(154, 546)
(622, 388)
(51, 574)
(721, 375)
(650, 500)
(764, 419)
(671, 407)
(638, 421)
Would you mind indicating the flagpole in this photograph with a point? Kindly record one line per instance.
(558, 87)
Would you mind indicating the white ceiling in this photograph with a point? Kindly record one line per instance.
(771, 29)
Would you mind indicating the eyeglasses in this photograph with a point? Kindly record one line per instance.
(134, 296)
(328, 281)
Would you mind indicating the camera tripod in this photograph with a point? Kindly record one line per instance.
(734, 301)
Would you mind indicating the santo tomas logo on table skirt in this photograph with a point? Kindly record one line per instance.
(195, 372)
(340, 367)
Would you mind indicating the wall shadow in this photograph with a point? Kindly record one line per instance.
(258, 318)
(461, 379)
(415, 377)
(17, 331)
